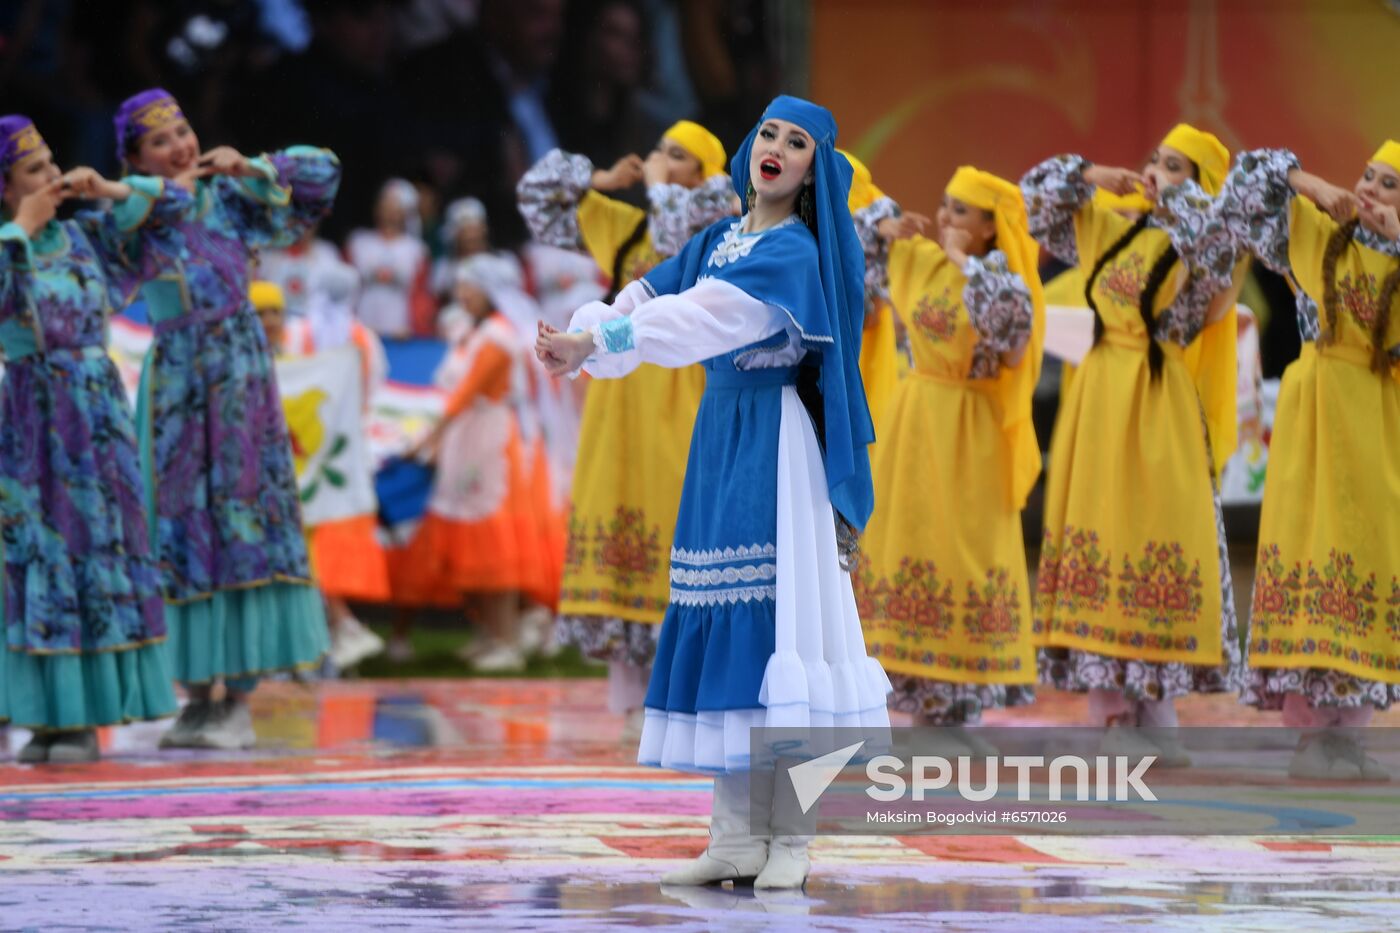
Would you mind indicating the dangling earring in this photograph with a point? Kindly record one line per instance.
(807, 206)
(750, 196)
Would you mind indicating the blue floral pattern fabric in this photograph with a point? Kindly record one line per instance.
(226, 513)
(79, 574)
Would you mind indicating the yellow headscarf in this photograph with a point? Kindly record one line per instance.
(701, 143)
(1015, 385)
(265, 294)
(1389, 153)
(863, 190)
(1209, 153)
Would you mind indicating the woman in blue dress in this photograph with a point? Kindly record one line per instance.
(225, 514)
(761, 630)
(81, 600)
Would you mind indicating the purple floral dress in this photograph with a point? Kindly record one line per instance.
(80, 581)
(226, 514)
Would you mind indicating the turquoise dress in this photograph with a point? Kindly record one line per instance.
(82, 611)
(224, 508)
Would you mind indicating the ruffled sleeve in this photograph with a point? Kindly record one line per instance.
(677, 213)
(549, 194)
(1202, 240)
(292, 191)
(703, 321)
(1255, 205)
(877, 251)
(1055, 191)
(998, 303)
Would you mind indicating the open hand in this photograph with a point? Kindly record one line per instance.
(656, 170)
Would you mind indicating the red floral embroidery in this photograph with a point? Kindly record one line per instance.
(1360, 296)
(937, 317)
(576, 547)
(1124, 278)
(1074, 576)
(627, 550)
(1339, 597)
(1392, 618)
(915, 599)
(1162, 588)
(1277, 590)
(993, 615)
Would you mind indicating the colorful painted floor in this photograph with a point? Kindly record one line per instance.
(508, 805)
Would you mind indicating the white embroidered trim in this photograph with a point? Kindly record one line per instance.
(731, 575)
(729, 597)
(729, 555)
(733, 247)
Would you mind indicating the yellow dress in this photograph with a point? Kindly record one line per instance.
(1133, 590)
(942, 588)
(633, 442)
(1326, 612)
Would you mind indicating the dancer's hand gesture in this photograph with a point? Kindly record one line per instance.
(902, 227)
(84, 182)
(562, 353)
(225, 160)
(1382, 218)
(956, 243)
(1119, 181)
(656, 170)
(625, 173)
(1338, 203)
(39, 207)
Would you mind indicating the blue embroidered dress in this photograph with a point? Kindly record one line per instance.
(225, 514)
(761, 629)
(84, 621)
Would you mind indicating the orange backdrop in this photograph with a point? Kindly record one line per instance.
(922, 86)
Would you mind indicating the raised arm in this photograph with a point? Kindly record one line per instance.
(676, 213)
(999, 306)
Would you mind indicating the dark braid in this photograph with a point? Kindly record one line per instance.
(1118, 246)
(1155, 278)
(1380, 354)
(1340, 240)
(627, 246)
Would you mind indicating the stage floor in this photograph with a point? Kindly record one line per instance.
(505, 805)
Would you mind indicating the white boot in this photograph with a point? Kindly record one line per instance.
(734, 854)
(788, 864)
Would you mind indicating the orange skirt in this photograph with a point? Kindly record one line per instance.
(349, 561)
(499, 551)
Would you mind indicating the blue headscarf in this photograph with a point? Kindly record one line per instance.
(825, 299)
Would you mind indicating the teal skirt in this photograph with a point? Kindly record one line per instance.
(246, 633)
(67, 692)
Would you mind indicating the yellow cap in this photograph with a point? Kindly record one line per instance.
(1388, 153)
(701, 143)
(265, 294)
(863, 190)
(1209, 153)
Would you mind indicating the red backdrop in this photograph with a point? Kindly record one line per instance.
(922, 86)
